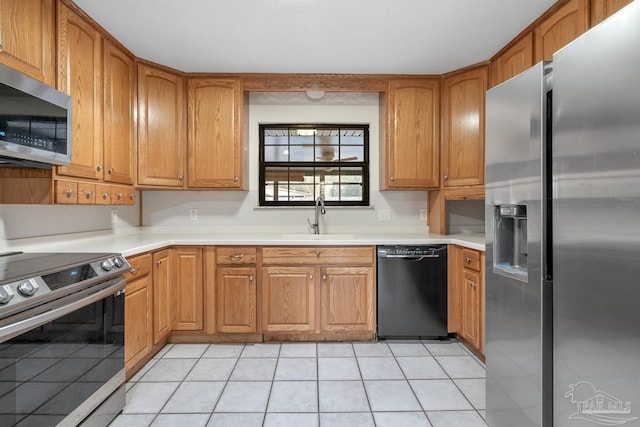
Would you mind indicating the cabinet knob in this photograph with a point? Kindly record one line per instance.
(251, 278)
(69, 193)
(392, 178)
(88, 194)
(0, 46)
(446, 177)
(317, 253)
(99, 168)
(105, 195)
(467, 259)
(134, 270)
(324, 277)
(120, 196)
(158, 262)
(132, 196)
(473, 285)
(110, 170)
(235, 179)
(311, 277)
(181, 177)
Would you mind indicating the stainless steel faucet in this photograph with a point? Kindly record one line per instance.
(319, 210)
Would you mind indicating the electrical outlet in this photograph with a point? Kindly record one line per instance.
(193, 214)
(384, 215)
(114, 216)
(423, 214)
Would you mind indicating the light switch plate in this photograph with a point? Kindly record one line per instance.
(193, 214)
(384, 215)
(423, 214)
(114, 216)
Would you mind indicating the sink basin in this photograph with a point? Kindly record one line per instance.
(306, 236)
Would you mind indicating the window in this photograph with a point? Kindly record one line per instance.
(299, 163)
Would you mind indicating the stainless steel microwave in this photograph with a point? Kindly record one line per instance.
(35, 122)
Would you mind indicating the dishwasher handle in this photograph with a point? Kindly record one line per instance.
(416, 257)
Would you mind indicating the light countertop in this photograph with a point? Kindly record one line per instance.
(135, 240)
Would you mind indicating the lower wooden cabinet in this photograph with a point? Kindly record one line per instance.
(288, 298)
(466, 295)
(187, 299)
(348, 299)
(162, 313)
(138, 302)
(236, 299)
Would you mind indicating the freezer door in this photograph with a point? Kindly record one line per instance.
(515, 129)
(596, 214)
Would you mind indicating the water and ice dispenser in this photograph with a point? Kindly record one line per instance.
(510, 241)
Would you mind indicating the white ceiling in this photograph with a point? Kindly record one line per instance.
(315, 36)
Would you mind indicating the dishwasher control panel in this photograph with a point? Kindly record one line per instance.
(410, 251)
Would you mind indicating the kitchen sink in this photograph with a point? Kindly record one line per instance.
(328, 236)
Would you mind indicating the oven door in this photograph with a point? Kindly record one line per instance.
(61, 360)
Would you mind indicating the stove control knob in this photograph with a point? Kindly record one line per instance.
(5, 294)
(28, 288)
(117, 261)
(106, 265)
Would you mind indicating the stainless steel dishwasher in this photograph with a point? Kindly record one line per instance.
(412, 291)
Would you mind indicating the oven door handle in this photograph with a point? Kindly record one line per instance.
(12, 330)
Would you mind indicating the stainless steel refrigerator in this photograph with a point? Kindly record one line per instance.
(563, 235)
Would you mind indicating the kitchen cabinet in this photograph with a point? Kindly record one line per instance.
(187, 296)
(236, 290)
(80, 76)
(348, 299)
(162, 295)
(162, 129)
(215, 138)
(27, 37)
(602, 9)
(118, 119)
(410, 141)
(318, 290)
(561, 27)
(463, 100)
(138, 333)
(466, 296)
(517, 58)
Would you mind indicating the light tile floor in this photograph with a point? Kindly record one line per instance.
(392, 383)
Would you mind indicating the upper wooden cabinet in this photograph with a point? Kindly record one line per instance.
(162, 128)
(410, 150)
(80, 75)
(463, 110)
(560, 28)
(215, 140)
(511, 62)
(119, 105)
(602, 9)
(27, 41)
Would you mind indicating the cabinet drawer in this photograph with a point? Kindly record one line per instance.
(318, 255)
(140, 267)
(471, 259)
(236, 255)
(66, 192)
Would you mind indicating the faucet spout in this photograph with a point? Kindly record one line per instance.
(320, 209)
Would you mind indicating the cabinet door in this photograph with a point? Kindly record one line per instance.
(471, 307)
(119, 91)
(412, 138)
(188, 304)
(214, 141)
(513, 61)
(138, 332)
(347, 299)
(162, 141)
(27, 42)
(288, 299)
(566, 24)
(162, 318)
(80, 75)
(463, 128)
(602, 9)
(236, 299)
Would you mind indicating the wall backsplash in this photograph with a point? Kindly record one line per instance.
(239, 209)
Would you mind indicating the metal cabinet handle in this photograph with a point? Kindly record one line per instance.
(105, 195)
(120, 196)
(69, 193)
(467, 259)
(88, 194)
(237, 256)
(134, 270)
(473, 285)
(99, 168)
(318, 253)
(251, 278)
(324, 277)
(110, 170)
(446, 177)
(392, 178)
(132, 196)
(311, 277)
(180, 177)
(159, 262)
(235, 179)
